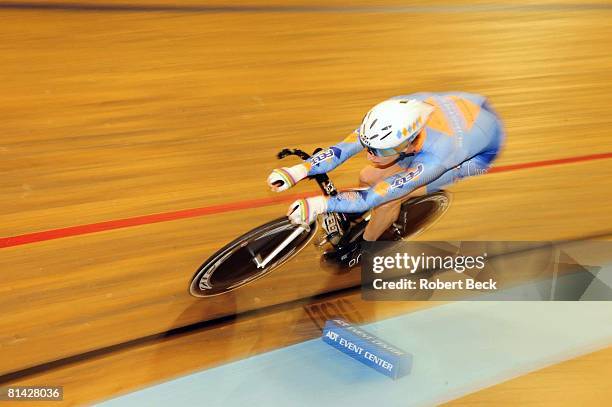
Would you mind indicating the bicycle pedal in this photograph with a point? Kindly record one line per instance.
(397, 229)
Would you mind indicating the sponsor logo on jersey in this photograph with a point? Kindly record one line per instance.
(412, 174)
(326, 155)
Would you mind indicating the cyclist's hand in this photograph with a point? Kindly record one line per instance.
(284, 178)
(305, 211)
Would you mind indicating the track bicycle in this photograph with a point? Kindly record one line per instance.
(265, 248)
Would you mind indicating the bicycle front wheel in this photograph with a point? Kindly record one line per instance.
(235, 265)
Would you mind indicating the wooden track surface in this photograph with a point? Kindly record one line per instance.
(111, 114)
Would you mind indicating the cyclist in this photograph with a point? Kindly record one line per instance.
(416, 144)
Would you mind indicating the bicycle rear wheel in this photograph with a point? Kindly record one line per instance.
(420, 213)
(234, 265)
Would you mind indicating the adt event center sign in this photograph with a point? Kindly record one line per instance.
(367, 348)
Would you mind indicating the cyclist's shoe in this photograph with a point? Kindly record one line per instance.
(348, 256)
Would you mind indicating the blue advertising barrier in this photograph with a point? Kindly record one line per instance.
(367, 348)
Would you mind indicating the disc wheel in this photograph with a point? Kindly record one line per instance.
(234, 265)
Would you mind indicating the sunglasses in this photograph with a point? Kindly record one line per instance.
(386, 152)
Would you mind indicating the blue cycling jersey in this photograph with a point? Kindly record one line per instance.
(461, 138)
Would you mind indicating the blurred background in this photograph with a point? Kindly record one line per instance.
(136, 138)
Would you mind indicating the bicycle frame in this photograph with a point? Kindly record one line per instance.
(262, 264)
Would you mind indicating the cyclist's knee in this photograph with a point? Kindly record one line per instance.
(368, 176)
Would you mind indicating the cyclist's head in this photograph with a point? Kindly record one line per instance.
(390, 126)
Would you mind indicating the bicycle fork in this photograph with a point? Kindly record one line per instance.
(257, 257)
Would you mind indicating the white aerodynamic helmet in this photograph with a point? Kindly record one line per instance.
(390, 126)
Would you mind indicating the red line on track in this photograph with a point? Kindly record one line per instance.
(229, 207)
(546, 163)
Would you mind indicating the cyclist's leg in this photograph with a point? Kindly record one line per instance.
(383, 216)
(476, 165)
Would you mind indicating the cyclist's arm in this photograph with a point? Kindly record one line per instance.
(425, 168)
(329, 158)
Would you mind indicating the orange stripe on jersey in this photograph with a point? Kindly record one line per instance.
(351, 138)
(437, 120)
(381, 188)
(468, 109)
